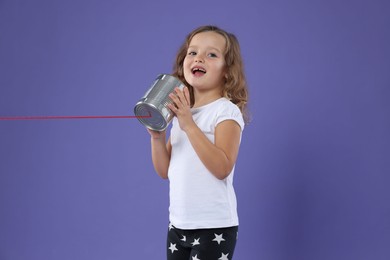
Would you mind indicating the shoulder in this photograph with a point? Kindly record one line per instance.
(224, 104)
(227, 110)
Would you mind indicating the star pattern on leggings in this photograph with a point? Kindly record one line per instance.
(195, 257)
(218, 238)
(196, 242)
(224, 257)
(173, 248)
(170, 226)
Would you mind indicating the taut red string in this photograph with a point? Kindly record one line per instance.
(67, 117)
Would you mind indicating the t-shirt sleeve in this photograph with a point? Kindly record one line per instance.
(230, 112)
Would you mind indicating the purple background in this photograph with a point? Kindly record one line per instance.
(312, 177)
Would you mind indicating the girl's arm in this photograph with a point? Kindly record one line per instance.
(161, 152)
(219, 157)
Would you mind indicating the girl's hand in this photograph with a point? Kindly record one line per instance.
(156, 134)
(181, 107)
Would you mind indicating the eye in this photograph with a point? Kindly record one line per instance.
(191, 53)
(212, 55)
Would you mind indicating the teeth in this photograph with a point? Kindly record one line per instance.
(198, 69)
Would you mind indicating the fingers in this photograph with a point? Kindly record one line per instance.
(175, 101)
(180, 98)
(187, 95)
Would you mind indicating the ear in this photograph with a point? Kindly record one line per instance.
(226, 71)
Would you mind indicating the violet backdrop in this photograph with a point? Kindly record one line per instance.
(312, 177)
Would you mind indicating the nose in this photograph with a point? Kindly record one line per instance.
(199, 58)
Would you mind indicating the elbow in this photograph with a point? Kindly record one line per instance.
(221, 177)
(220, 167)
(163, 175)
(223, 172)
(161, 170)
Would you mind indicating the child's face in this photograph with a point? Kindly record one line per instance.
(204, 65)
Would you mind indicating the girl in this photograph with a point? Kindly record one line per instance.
(201, 152)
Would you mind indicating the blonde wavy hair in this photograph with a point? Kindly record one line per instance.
(235, 88)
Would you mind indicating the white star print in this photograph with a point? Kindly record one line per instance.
(173, 248)
(170, 226)
(224, 257)
(195, 257)
(184, 239)
(196, 242)
(218, 238)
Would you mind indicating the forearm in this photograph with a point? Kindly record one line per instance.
(160, 156)
(213, 157)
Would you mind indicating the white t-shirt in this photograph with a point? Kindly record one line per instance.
(197, 198)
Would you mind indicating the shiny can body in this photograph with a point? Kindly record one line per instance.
(152, 109)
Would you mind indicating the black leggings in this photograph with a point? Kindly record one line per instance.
(201, 244)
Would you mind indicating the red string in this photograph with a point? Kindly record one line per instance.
(68, 117)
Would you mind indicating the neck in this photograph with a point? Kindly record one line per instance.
(204, 98)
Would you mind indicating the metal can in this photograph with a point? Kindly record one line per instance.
(152, 109)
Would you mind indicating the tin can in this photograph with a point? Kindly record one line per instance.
(152, 109)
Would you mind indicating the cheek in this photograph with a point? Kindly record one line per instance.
(221, 68)
(223, 65)
(186, 66)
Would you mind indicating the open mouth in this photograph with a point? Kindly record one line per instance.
(198, 71)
